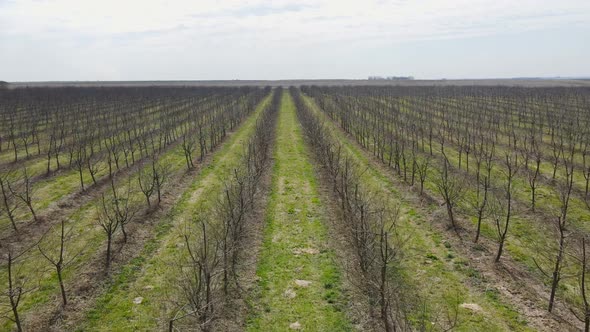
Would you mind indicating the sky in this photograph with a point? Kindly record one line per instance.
(79, 40)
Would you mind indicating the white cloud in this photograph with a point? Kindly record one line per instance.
(210, 29)
(395, 18)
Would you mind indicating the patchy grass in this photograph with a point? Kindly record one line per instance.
(89, 239)
(57, 187)
(294, 222)
(151, 275)
(531, 235)
(439, 274)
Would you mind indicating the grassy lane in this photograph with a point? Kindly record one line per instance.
(531, 235)
(87, 238)
(433, 263)
(63, 186)
(148, 276)
(298, 279)
(50, 191)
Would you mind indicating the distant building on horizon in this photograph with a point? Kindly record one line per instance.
(391, 78)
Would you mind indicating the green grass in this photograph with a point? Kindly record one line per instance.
(430, 265)
(151, 275)
(89, 238)
(294, 221)
(55, 188)
(529, 236)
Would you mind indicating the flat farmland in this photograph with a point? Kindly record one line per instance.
(314, 205)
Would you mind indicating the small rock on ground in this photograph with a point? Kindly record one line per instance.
(138, 300)
(289, 293)
(471, 306)
(302, 283)
(295, 326)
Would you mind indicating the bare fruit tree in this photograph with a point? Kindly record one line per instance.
(115, 211)
(504, 211)
(23, 190)
(9, 201)
(451, 189)
(17, 285)
(55, 252)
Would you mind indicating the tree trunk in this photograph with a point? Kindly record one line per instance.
(108, 259)
(61, 286)
(556, 275)
(500, 249)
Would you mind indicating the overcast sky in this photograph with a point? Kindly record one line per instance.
(291, 39)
